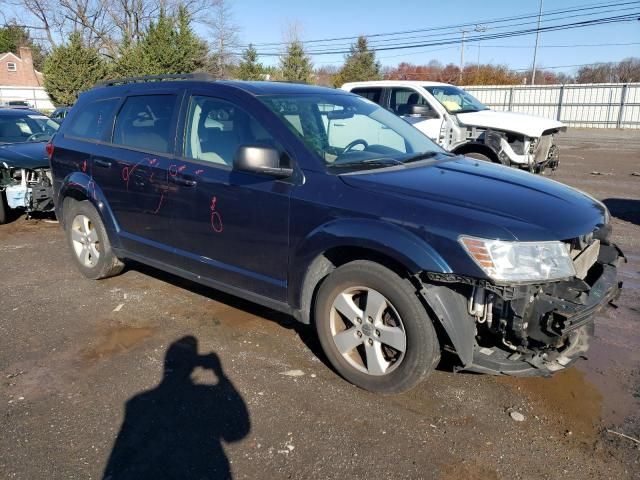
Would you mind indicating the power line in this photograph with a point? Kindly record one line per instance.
(492, 36)
(597, 6)
(574, 45)
(374, 44)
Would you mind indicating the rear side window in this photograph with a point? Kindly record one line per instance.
(373, 94)
(92, 120)
(144, 122)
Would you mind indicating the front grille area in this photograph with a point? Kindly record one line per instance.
(541, 152)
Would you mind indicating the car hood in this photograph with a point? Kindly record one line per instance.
(528, 125)
(24, 155)
(529, 207)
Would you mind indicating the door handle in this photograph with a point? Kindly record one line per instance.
(98, 162)
(185, 182)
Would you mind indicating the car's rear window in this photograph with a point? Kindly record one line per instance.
(144, 122)
(92, 119)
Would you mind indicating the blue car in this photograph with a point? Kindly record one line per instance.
(25, 177)
(321, 204)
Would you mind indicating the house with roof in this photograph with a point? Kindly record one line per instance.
(20, 81)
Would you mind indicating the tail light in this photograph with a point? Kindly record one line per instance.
(49, 149)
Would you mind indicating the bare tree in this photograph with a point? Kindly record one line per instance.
(224, 36)
(103, 24)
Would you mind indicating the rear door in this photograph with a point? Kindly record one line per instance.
(229, 226)
(132, 170)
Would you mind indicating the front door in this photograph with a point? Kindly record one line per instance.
(229, 226)
(401, 100)
(132, 171)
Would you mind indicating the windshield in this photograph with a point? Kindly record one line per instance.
(455, 100)
(350, 132)
(31, 127)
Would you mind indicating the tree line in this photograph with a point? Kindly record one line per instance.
(82, 42)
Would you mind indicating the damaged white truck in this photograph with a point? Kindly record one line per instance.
(461, 124)
(25, 175)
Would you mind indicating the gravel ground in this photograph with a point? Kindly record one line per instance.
(146, 369)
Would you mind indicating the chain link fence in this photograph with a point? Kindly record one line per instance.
(605, 105)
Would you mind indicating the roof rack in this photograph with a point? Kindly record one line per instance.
(156, 78)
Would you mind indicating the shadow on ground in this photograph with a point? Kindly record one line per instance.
(624, 209)
(306, 333)
(176, 430)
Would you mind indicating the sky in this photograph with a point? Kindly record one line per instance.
(263, 21)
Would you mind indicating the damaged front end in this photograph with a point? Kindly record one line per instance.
(534, 329)
(534, 154)
(26, 189)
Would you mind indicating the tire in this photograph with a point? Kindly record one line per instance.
(4, 209)
(374, 364)
(479, 156)
(89, 243)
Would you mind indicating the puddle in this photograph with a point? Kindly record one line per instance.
(117, 339)
(567, 394)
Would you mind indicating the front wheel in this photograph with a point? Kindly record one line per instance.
(89, 242)
(373, 328)
(478, 156)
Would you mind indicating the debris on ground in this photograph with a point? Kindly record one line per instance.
(517, 416)
(293, 373)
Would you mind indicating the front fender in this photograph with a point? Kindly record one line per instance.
(80, 186)
(385, 238)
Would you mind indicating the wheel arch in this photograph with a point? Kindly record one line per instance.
(474, 147)
(347, 240)
(80, 187)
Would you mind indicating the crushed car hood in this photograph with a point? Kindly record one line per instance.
(525, 199)
(528, 125)
(24, 155)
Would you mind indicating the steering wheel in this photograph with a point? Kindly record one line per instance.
(35, 136)
(357, 141)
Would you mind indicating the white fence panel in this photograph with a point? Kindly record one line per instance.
(607, 105)
(36, 96)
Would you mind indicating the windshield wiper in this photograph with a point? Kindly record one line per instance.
(371, 162)
(420, 156)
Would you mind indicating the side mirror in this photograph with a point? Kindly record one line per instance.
(423, 111)
(260, 159)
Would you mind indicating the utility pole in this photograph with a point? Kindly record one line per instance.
(464, 32)
(535, 50)
(479, 29)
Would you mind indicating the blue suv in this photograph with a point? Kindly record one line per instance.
(323, 205)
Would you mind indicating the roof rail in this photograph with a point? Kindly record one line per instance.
(156, 78)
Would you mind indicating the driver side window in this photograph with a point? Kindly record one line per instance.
(216, 128)
(402, 99)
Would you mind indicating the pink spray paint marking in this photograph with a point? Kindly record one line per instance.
(199, 172)
(216, 219)
(83, 166)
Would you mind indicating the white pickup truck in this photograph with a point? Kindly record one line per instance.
(461, 124)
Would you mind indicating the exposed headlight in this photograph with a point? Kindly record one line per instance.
(520, 261)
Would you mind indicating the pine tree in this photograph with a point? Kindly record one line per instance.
(249, 68)
(169, 46)
(359, 65)
(70, 69)
(295, 65)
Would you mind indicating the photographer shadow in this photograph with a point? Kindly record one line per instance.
(176, 430)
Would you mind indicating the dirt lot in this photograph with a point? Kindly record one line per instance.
(207, 386)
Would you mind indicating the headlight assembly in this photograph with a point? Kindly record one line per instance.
(520, 262)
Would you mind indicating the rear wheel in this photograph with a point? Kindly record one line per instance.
(4, 209)
(89, 242)
(374, 329)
